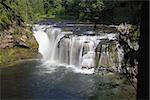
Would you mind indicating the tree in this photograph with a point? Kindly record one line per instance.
(9, 13)
(91, 9)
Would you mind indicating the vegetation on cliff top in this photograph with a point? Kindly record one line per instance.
(101, 11)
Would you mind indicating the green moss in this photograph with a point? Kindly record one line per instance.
(32, 44)
(1, 59)
(134, 34)
(10, 55)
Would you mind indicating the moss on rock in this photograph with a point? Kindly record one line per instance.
(10, 55)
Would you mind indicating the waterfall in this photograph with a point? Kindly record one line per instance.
(66, 48)
(44, 44)
(120, 53)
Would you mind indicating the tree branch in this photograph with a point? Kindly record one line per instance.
(18, 18)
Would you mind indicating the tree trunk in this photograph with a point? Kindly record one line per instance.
(143, 67)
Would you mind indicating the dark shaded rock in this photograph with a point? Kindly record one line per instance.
(21, 44)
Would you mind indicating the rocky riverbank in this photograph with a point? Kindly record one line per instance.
(17, 47)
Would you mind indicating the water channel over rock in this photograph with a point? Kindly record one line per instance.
(82, 50)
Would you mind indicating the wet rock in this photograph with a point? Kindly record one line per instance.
(101, 70)
(83, 67)
(104, 70)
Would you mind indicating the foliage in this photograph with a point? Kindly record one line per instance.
(134, 33)
(30, 11)
(10, 55)
(91, 9)
(35, 10)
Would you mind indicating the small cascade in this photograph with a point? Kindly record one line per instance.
(66, 48)
(120, 55)
(104, 59)
(64, 51)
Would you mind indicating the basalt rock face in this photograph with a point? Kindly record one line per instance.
(17, 47)
(107, 55)
(10, 41)
(7, 41)
(128, 40)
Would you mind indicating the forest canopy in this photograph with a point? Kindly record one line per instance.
(101, 11)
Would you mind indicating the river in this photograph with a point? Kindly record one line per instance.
(31, 79)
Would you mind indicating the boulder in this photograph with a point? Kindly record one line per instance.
(24, 38)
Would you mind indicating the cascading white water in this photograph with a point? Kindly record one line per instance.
(120, 53)
(44, 44)
(104, 60)
(73, 50)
